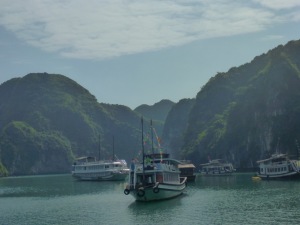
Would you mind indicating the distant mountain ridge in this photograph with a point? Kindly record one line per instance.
(158, 111)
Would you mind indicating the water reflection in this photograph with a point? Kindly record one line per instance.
(53, 186)
(158, 212)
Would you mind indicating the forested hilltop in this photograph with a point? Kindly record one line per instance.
(246, 113)
(47, 120)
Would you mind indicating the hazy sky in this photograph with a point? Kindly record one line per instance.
(133, 52)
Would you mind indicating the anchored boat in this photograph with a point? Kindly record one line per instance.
(88, 168)
(187, 169)
(156, 178)
(278, 166)
(217, 167)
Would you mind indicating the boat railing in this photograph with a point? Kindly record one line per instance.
(183, 180)
(155, 166)
(97, 162)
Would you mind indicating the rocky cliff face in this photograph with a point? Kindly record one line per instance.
(175, 126)
(249, 112)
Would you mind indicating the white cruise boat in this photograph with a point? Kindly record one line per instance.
(217, 167)
(278, 166)
(88, 168)
(158, 179)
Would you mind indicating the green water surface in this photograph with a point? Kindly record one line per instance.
(58, 199)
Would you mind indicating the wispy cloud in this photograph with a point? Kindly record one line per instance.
(272, 37)
(104, 29)
(279, 4)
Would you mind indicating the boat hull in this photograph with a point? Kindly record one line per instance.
(191, 178)
(161, 192)
(290, 175)
(101, 176)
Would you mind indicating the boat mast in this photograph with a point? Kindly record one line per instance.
(143, 150)
(152, 137)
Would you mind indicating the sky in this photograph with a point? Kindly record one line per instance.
(133, 52)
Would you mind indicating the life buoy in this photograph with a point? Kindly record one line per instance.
(155, 190)
(126, 191)
(140, 193)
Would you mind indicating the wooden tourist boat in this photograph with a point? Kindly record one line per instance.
(156, 178)
(187, 169)
(278, 166)
(217, 167)
(159, 179)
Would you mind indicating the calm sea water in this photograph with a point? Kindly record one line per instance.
(58, 199)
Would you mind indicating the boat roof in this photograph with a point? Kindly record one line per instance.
(274, 156)
(92, 159)
(215, 162)
(162, 157)
(190, 165)
(86, 158)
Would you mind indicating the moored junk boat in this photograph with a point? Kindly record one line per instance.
(217, 167)
(88, 168)
(187, 169)
(159, 179)
(278, 166)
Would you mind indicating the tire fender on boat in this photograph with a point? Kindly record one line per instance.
(155, 190)
(140, 193)
(126, 191)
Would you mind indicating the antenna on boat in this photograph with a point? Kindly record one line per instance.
(99, 148)
(277, 146)
(298, 149)
(113, 158)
